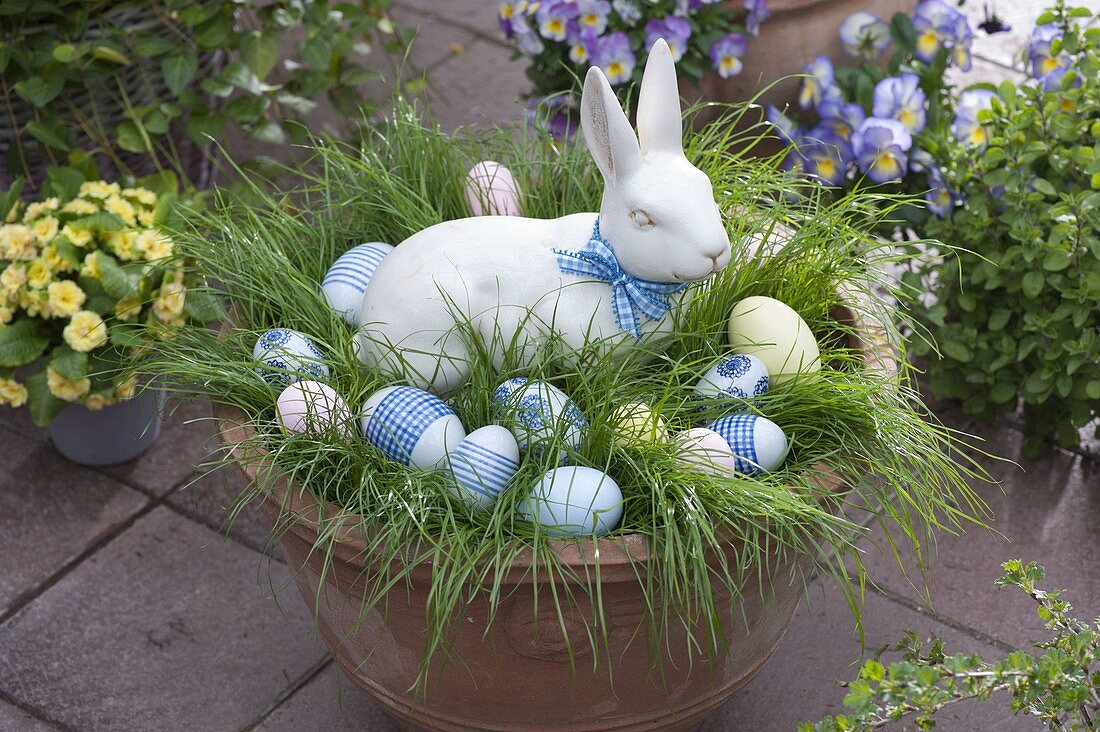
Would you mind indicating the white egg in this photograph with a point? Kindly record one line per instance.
(635, 423)
(348, 277)
(539, 414)
(310, 406)
(737, 376)
(574, 501)
(411, 426)
(288, 356)
(758, 444)
(773, 332)
(492, 191)
(483, 463)
(703, 449)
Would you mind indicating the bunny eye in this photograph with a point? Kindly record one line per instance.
(641, 219)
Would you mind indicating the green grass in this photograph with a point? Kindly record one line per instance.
(270, 248)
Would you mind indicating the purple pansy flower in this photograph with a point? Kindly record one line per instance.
(839, 118)
(757, 14)
(582, 43)
(614, 56)
(880, 147)
(940, 198)
(1044, 65)
(784, 126)
(508, 11)
(963, 40)
(553, 19)
(817, 83)
(593, 14)
(864, 34)
(966, 126)
(920, 160)
(675, 31)
(901, 98)
(551, 116)
(825, 155)
(726, 53)
(936, 25)
(523, 35)
(628, 10)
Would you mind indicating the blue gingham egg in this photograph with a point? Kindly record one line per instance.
(758, 444)
(287, 356)
(347, 279)
(411, 426)
(483, 464)
(539, 413)
(737, 376)
(574, 501)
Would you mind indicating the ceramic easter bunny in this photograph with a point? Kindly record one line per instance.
(586, 277)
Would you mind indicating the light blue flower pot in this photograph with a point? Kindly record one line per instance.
(111, 435)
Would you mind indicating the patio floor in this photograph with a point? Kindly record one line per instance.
(122, 607)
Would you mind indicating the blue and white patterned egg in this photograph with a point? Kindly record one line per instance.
(758, 444)
(483, 463)
(740, 377)
(538, 413)
(348, 277)
(574, 501)
(411, 426)
(288, 356)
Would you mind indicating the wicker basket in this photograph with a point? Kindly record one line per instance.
(101, 99)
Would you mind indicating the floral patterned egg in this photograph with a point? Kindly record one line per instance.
(287, 356)
(737, 376)
(538, 413)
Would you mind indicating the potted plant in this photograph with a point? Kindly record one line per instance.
(145, 87)
(79, 270)
(455, 614)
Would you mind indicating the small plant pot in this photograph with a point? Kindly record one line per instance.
(109, 436)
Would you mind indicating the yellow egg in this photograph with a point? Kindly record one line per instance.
(770, 330)
(636, 422)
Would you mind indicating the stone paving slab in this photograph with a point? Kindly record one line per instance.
(156, 632)
(332, 703)
(51, 512)
(14, 719)
(210, 500)
(478, 16)
(479, 87)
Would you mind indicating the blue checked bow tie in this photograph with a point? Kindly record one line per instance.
(633, 299)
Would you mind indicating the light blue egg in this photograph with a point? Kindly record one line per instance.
(287, 356)
(758, 444)
(347, 279)
(411, 426)
(483, 464)
(574, 501)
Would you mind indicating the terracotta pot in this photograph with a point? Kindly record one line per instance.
(518, 675)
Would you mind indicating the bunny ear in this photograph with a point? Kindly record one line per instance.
(606, 129)
(659, 124)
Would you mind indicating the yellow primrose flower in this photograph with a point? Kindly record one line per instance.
(62, 388)
(39, 274)
(144, 196)
(122, 243)
(17, 242)
(100, 189)
(6, 314)
(96, 402)
(36, 209)
(153, 244)
(169, 306)
(12, 393)
(12, 278)
(127, 309)
(78, 237)
(126, 389)
(145, 217)
(33, 302)
(55, 261)
(86, 331)
(90, 267)
(13, 215)
(65, 298)
(80, 207)
(121, 208)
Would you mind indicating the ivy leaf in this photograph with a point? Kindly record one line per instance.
(73, 365)
(178, 70)
(40, 91)
(22, 342)
(48, 135)
(43, 405)
(130, 138)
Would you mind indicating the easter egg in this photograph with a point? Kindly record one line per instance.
(758, 444)
(310, 406)
(574, 501)
(287, 356)
(539, 413)
(703, 449)
(776, 334)
(491, 190)
(483, 463)
(636, 423)
(739, 376)
(348, 277)
(411, 426)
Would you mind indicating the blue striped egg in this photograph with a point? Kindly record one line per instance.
(348, 277)
(737, 376)
(539, 413)
(758, 444)
(574, 501)
(286, 356)
(411, 426)
(483, 463)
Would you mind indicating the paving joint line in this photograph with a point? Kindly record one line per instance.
(979, 635)
(295, 686)
(451, 20)
(194, 517)
(34, 711)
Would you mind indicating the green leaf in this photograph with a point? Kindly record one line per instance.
(64, 182)
(38, 90)
(244, 79)
(22, 342)
(200, 127)
(999, 319)
(48, 135)
(260, 51)
(1002, 392)
(43, 405)
(1033, 283)
(1042, 185)
(65, 53)
(106, 53)
(269, 131)
(1056, 260)
(130, 138)
(100, 222)
(117, 281)
(126, 336)
(1093, 389)
(150, 45)
(958, 351)
(73, 365)
(901, 30)
(202, 306)
(178, 70)
(10, 197)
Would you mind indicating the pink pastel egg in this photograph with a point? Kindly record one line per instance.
(310, 406)
(704, 449)
(492, 191)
